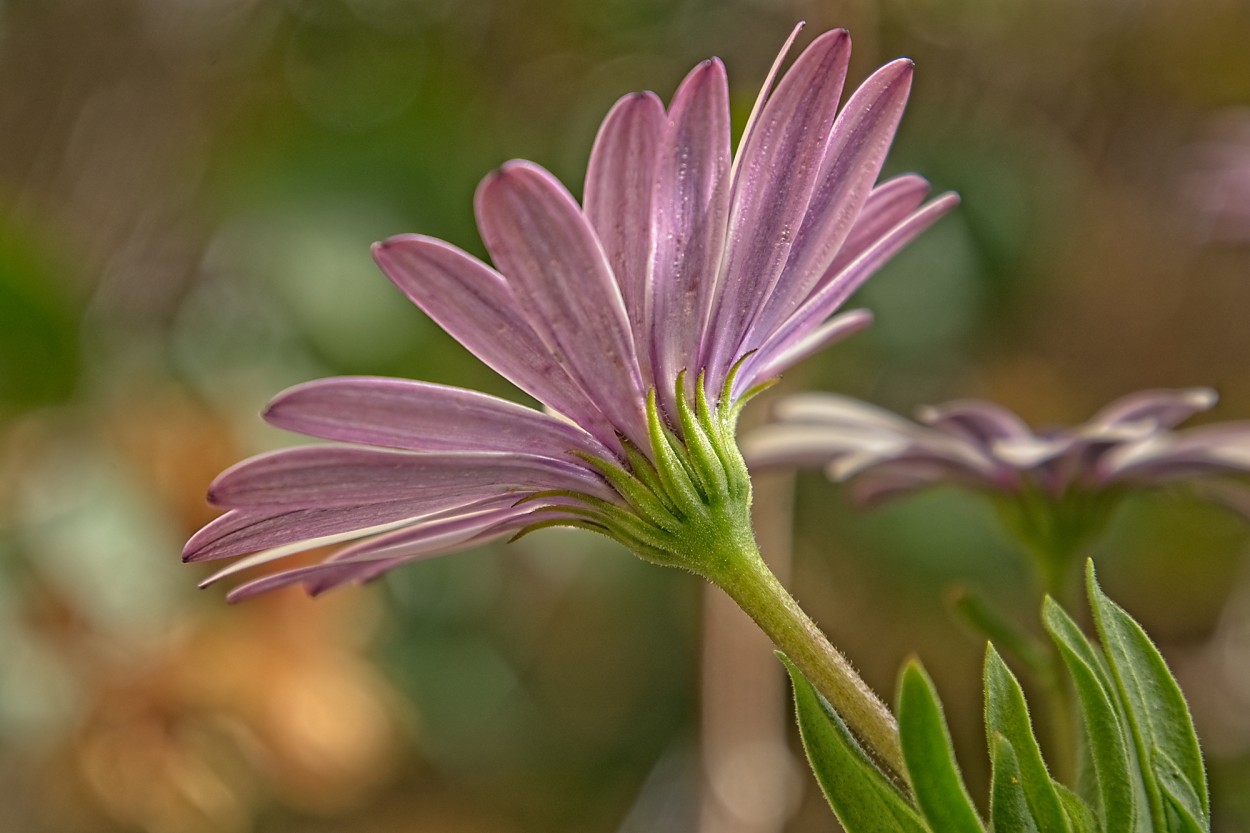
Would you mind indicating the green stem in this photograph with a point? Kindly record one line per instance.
(750, 583)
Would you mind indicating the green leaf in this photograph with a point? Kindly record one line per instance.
(1186, 811)
(1156, 709)
(1007, 716)
(1009, 806)
(1080, 816)
(863, 799)
(1103, 729)
(930, 757)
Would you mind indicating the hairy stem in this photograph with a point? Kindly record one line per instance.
(750, 583)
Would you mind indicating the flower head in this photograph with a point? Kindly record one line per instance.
(1058, 486)
(983, 445)
(682, 257)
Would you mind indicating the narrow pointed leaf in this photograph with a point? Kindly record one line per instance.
(1080, 816)
(1103, 728)
(1007, 717)
(1009, 806)
(1186, 811)
(930, 757)
(1155, 705)
(863, 799)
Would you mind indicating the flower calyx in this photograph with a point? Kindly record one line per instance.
(687, 502)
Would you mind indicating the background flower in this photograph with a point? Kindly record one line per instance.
(1129, 443)
(1056, 490)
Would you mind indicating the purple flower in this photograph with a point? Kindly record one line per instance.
(683, 257)
(983, 445)
(1058, 487)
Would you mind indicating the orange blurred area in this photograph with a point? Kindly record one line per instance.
(188, 192)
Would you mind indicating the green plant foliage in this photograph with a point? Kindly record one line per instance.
(930, 757)
(864, 800)
(1147, 770)
(1154, 707)
(1080, 816)
(1117, 784)
(1007, 721)
(1009, 806)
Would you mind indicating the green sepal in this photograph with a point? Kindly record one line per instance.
(1117, 809)
(1007, 717)
(643, 539)
(641, 468)
(635, 492)
(700, 448)
(862, 798)
(931, 766)
(722, 441)
(1009, 805)
(674, 472)
(1154, 705)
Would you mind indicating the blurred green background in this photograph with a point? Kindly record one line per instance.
(188, 190)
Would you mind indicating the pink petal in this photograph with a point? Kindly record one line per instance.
(427, 540)
(888, 205)
(785, 444)
(836, 289)
(1219, 448)
(619, 184)
(326, 476)
(475, 306)
(776, 359)
(541, 241)
(1156, 408)
(780, 161)
(983, 423)
(691, 206)
(420, 416)
(242, 531)
(861, 138)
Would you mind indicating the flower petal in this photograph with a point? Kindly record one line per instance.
(619, 183)
(326, 476)
(773, 183)
(835, 409)
(426, 540)
(784, 444)
(1219, 448)
(854, 435)
(539, 238)
(861, 137)
(983, 423)
(474, 304)
(888, 205)
(241, 531)
(835, 289)
(691, 205)
(1156, 409)
(421, 416)
(777, 359)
